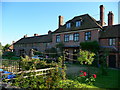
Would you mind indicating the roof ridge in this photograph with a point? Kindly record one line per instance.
(76, 17)
(37, 36)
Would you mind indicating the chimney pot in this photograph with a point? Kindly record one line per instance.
(25, 36)
(35, 34)
(60, 21)
(49, 31)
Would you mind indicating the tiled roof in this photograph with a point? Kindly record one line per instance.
(110, 31)
(87, 22)
(35, 39)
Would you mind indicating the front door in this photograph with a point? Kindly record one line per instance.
(112, 61)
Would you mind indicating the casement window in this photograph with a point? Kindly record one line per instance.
(58, 38)
(71, 37)
(87, 35)
(112, 41)
(68, 25)
(66, 37)
(78, 23)
(76, 37)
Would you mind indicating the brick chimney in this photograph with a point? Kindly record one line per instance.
(35, 34)
(60, 21)
(49, 32)
(102, 15)
(25, 36)
(110, 18)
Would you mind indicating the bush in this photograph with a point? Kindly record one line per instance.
(8, 55)
(27, 63)
(37, 82)
(71, 84)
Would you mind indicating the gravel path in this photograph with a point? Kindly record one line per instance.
(74, 69)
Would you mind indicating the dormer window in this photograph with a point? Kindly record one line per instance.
(68, 25)
(78, 23)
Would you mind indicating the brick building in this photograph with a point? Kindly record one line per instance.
(79, 29)
(36, 42)
(110, 39)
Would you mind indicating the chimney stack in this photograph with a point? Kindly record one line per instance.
(60, 21)
(110, 18)
(25, 36)
(49, 32)
(35, 34)
(102, 15)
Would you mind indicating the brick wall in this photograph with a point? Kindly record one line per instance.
(94, 36)
(27, 47)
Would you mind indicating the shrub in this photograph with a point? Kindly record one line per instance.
(8, 55)
(71, 84)
(86, 57)
(92, 46)
(37, 82)
(84, 78)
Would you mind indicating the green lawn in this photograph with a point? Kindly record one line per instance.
(111, 80)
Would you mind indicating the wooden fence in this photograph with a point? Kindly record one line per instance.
(10, 65)
(35, 72)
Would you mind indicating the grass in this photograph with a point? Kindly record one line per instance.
(111, 80)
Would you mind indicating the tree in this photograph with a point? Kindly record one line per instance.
(0, 50)
(6, 47)
(92, 46)
(0, 46)
(103, 62)
(8, 54)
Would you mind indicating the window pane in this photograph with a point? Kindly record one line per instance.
(113, 41)
(87, 35)
(78, 23)
(68, 25)
(66, 38)
(76, 37)
(71, 37)
(58, 38)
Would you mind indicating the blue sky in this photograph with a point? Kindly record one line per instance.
(20, 18)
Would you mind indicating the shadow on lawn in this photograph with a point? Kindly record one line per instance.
(111, 80)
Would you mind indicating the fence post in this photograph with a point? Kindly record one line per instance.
(63, 59)
(19, 64)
